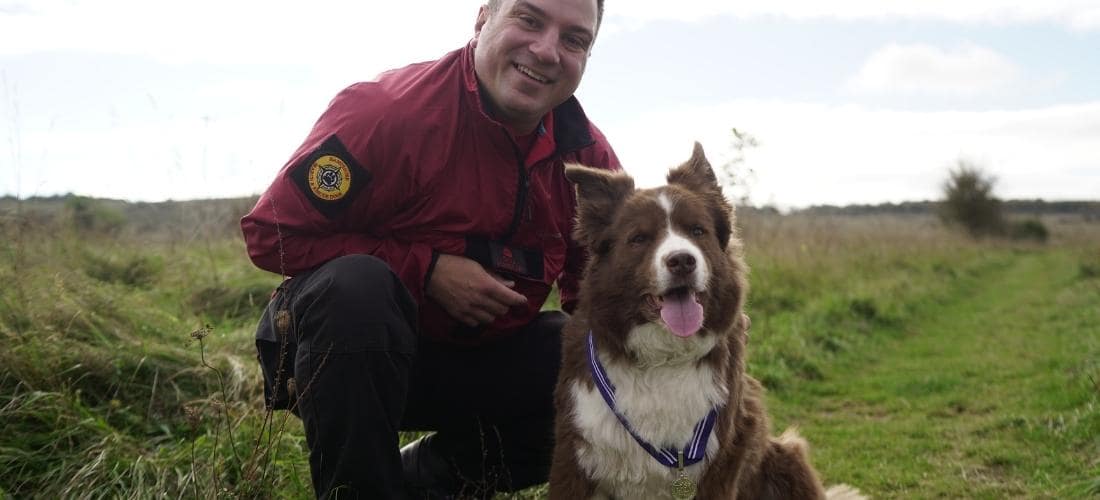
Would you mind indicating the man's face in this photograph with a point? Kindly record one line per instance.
(530, 56)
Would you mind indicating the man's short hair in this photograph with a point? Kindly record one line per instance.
(494, 5)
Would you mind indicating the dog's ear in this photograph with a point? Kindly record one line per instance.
(698, 177)
(599, 194)
(695, 174)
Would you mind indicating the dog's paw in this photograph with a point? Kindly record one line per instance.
(843, 492)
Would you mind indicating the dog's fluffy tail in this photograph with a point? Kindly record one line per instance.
(793, 441)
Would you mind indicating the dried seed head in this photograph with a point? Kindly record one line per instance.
(192, 414)
(201, 333)
(282, 321)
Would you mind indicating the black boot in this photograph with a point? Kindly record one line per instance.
(427, 474)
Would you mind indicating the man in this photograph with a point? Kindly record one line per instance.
(423, 223)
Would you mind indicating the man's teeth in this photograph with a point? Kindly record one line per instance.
(529, 72)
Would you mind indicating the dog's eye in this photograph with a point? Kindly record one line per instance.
(698, 231)
(638, 239)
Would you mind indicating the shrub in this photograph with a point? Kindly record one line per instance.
(237, 303)
(1089, 270)
(969, 201)
(1030, 229)
(139, 271)
(90, 216)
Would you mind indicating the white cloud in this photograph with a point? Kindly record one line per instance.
(926, 69)
(1086, 19)
(384, 34)
(1077, 14)
(248, 31)
(824, 154)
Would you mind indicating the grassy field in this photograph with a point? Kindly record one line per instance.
(920, 364)
(992, 396)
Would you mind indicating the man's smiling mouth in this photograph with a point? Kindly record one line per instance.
(532, 74)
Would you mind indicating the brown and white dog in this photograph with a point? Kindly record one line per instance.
(656, 349)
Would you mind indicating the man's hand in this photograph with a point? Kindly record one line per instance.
(468, 292)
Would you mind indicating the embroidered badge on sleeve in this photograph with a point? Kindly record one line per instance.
(330, 177)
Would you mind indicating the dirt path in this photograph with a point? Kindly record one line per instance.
(987, 397)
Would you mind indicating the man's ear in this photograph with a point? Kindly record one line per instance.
(599, 195)
(483, 14)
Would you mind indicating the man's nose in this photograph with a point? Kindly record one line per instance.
(545, 47)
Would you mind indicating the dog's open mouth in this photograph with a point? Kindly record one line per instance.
(680, 310)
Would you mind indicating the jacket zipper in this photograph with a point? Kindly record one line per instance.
(521, 190)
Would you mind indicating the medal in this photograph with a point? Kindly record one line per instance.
(683, 488)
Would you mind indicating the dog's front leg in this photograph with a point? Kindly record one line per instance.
(567, 480)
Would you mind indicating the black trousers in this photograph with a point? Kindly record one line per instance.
(346, 334)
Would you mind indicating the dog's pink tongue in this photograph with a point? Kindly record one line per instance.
(682, 314)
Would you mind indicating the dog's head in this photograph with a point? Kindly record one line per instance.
(663, 261)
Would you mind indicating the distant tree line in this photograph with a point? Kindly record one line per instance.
(1088, 209)
(110, 216)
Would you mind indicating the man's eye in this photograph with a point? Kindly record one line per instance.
(576, 43)
(529, 21)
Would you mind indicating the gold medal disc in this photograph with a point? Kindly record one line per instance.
(683, 488)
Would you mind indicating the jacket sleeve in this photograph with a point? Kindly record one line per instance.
(306, 218)
(598, 155)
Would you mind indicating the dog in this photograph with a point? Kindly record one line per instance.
(653, 400)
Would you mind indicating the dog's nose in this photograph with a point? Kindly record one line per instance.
(680, 263)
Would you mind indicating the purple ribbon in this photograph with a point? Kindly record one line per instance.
(669, 457)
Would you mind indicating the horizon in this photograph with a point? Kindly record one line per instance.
(876, 207)
(858, 103)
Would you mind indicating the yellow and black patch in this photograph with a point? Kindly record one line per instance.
(330, 177)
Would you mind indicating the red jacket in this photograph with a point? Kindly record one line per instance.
(411, 165)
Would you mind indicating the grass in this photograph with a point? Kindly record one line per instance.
(935, 368)
(990, 397)
(919, 363)
(103, 392)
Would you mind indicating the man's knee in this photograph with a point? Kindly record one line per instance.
(358, 281)
(356, 303)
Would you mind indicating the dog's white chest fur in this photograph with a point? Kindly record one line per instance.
(663, 397)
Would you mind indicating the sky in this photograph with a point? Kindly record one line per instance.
(848, 101)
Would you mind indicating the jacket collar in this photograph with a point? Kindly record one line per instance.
(571, 127)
